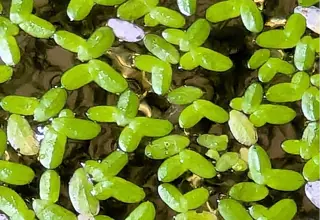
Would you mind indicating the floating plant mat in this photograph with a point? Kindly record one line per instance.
(187, 109)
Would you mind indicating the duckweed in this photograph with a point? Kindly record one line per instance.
(187, 123)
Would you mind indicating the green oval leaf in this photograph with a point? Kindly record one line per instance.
(189, 117)
(259, 163)
(52, 148)
(128, 104)
(283, 180)
(166, 146)
(151, 127)
(167, 17)
(75, 128)
(252, 98)
(5, 73)
(51, 103)
(145, 211)
(211, 111)
(187, 7)
(304, 55)
(310, 104)
(196, 34)
(20, 10)
(173, 197)
(134, 9)
(227, 161)
(284, 92)
(230, 209)
(50, 186)
(19, 104)
(311, 169)
(68, 40)
(222, 11)
(78, 10)
(37, 27)
(197, 197)
(216, 142)
(258, 58)
(20, 135)
(76, 77)
(9, 50)
(11, 173)
(248, 192)
(46, 210)
(103, 113)
(171, 169)
(251, 16)
(184, 95)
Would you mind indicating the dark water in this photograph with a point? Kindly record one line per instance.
(42, 64)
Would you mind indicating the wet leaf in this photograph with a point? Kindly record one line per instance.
(248, 192)
(128, 104)
(173, 36)
(315, 80)
(211, 111)
(76, 77)
(258, 58)
(311, 169)
(189, 117)
(68, 40)
(145, 211)
(74, 128)
(13, 205)
(252, 98)
(106, 77)
(230, 209)
(295, 26)
(5, 73)
(216, 142)
(222, 11)
(51, 103)
(242, 129)
(80, 194)
(7, 27)
(20, 135)
(19, 104)
(187, 7)
(129, 139)
(45, 209)
(273, 66)
(310, 104)
(134, 9)
(167, 17)
(173, 197)
(52, 148)
(259, 163)
(20, 10)
(293, 146)
(188, 61)
(50, 186)
(272, 114)
(11, 173)
(251, 16)
(151, 127)
(78, 10)
(9, 50)
(184, 95)
(226, 161)
(283, 180)
(161, 48)
(196, 34)
(103, 113)
(284, 92)
(171, 169)
(304, 54)
(119, 189)
(37, 27)
(197, 197)
(197, 164)
(166, 146)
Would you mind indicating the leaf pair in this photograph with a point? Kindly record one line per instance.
(9, 49)
(13, 205)
(95, 46)
(262, 173)
(273, 66)
(122, 114)
(193, 37)
(207, 59)
(45, 209)
(139, 127)
(118, 188)
(175, 166)
(95, 70)
(272, 114)
(184, 95)
(247, 9)
(21, 14)
(250, 101)
(199, 109)
(286, 38)
(167, 146)
(78, 10)
(182, 202)
(108, 167)
(230, 160)
(289, 92)
(161, 72)
(284, 209)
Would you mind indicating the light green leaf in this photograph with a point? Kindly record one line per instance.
(248, 192)
(211, 111)
(188, 61)
(80, 194)
(103, 113)
(187, 7)
(190, 215)
(129, 139)
(173, 36)
(171, 169)
(167, 17)
(315, 80)
(226, 161)
(258, 58)
(76, 77)
(304, 54)
(79, 9)
(128, 104)
(307, 3)
(251, 16)
(222, 11)
(166, 146)
(9, 50)
(236, 103)
(311, 169)
(230, 209)
(283, 180)
(134, 9)
(11, 173)
(7, 27)
(3, 142)
(50, 186)
(74, 128)
(295, 26)
(20, 10)
(259, 163)
(293, 146)
(145, 211)
(197, 197)
(184, 95)
(173, 197)
(284, 92)
(46, 210)
(51, 103)
(21, 136)
(5, 73)
(216, 142)
(151, 127)
(310, 104)
(197, 33)
(37, 27)
(52, 148)
(252, 98)
(19, 104)
(68, 40)
(189, 117)
(273, 66)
